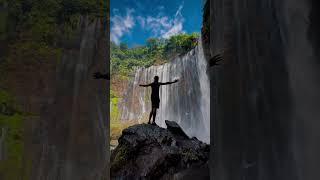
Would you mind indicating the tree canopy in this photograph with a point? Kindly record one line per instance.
(36, 29)
(156, 51)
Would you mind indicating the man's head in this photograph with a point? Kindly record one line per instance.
(156, 79)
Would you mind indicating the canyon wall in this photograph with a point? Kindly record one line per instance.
(265, 95)
(75, 124)
(66, 137)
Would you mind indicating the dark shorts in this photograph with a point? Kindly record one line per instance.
(155, 103)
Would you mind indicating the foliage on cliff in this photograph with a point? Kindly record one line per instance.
(39, 28)
(11, 135)
(156, 51)
(45, 20)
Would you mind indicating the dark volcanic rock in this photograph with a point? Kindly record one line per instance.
(174, 128)
(151, 152)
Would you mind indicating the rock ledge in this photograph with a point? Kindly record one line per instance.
(151, 152)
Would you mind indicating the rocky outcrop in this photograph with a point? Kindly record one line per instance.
(174, 128)
(151, 152)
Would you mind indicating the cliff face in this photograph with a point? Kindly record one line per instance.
(74, 145)
(66, 138)
(265, 96)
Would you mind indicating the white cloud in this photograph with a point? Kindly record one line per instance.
(160, 25)
(141, 21)
(177, 27)
(175, 30)
(178, 13)
(121, 25)
(165, 27)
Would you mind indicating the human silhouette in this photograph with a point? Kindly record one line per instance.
(155, 98)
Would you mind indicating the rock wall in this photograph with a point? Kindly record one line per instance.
(67, 135)
(265, 96)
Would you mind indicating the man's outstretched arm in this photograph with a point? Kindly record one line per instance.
(166, 83)
(144, 85)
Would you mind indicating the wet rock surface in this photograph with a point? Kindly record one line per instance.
(151, 152)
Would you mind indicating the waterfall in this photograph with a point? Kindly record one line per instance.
(186, 102)
(74, 127)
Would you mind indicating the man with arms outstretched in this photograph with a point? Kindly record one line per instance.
(155, 98)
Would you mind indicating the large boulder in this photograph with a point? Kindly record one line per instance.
(151, 152)
(174, 128)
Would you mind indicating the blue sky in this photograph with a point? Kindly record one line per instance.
(134, 21)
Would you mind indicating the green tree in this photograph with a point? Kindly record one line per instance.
(156, 51)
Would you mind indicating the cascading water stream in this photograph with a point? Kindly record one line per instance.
(78, 109)
(186, 102)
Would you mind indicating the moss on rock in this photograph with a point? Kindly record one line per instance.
(11, 128)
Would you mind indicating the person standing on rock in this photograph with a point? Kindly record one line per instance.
(155, 98)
